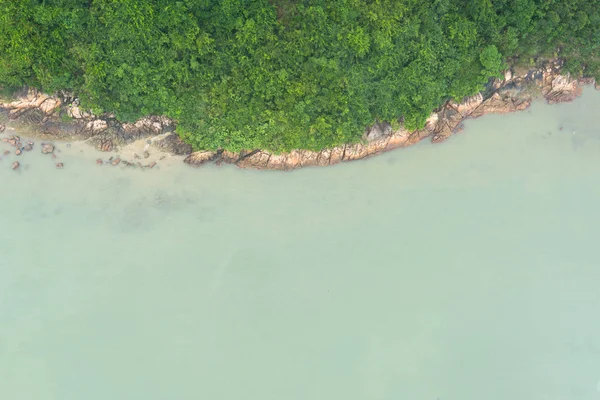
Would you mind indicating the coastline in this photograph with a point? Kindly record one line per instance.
(58, 118)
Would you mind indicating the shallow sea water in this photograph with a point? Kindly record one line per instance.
(465, 270)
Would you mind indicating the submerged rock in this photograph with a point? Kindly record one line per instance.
(116, 161)
(15, 165)
(47, 148)
(105, 145)
(99, 161)
(2, 128)
(146, 154)
(18, 152)
(60, 165)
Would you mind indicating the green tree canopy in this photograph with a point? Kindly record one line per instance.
(283, 74)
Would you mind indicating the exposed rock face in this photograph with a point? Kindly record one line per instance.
(96, 126)
(514, 93)
(105, 132)
(378, 131)
(560, 89)
(201, 157)
(32, 100)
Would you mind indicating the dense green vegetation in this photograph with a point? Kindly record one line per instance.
(283, 74)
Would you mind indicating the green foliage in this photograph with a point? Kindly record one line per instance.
(283, 74)
(492, 62)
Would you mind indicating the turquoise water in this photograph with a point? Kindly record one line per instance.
(465, 270)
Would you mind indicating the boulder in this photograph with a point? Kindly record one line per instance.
(47, 148)
(96, 126)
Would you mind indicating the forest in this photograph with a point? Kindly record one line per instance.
(284, 74)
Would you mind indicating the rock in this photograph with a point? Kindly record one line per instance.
(173, 144)
(587, 80)
(469, 105)
(18, 152)
(151, 165)
(137, 157)
(96, 126)
(497, 104)
(49, 105)
(146, 154)
(6, 152)
(28, 147)
(99, 161)
(5, 140)
(508, 75)
(379, 131)
(47, 148)
(200, 157)
(74, 112)
(560, 88)
(105, 145)
(15, 165)
(2, 128)
(152, 125)
(116, 161)
(60, 165)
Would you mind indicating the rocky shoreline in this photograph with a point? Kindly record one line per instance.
(59, 118)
